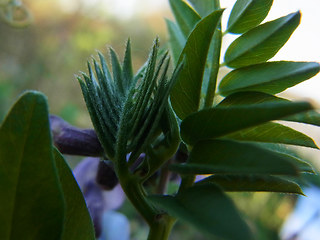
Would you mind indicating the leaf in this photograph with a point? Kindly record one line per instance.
(211, 72)
(230, 157)
(185, 16)
(78, 224)
(31, 202)
(270, 77)
(261, 43)
(302, 165)
(205, 7)
(309, 117)
(127, 72)
(176, 40)
(273, 133)
(247, 14)
(244, 98)
(208, 208)
(185, 95)
(253, 183)
(219, 121)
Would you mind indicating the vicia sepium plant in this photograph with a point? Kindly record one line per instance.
(235, 142)
(150, 124)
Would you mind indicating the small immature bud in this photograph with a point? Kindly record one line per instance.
(106, 177)
(74, 141)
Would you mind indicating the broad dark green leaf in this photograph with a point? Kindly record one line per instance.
(270, 77)
(78, 224)
(219, 121)
(261, 43)
(302, 165)
(244, 98)
(273, 133)
(205, 7)
(185, 16)
(208, 208)
(253, 183)
(31, 203)
(176, 40)
(230, 157)
(185, 95)
(247, 14)
(309, 117)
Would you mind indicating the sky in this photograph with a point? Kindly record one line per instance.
(302, 46)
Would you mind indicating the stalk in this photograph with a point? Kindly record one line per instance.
(161, 228)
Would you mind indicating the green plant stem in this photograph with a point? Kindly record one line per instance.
(160, 224)
(133, 189)
(164, 178)
(161, 228)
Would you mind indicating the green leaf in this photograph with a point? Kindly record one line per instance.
(219, 121)
(270, 77)
(230, 157)
(176, 40)
(78, 224)
(309, 117)
(253, 183)
(127, 72)
(208, 208)
(117, 72)
(185, 95)
(247, 14)
(185, 16)
(205, 7)
(211, 72)
(244, 98)
(31, 203)
(302, 165)
(273, 133)
(261, 43)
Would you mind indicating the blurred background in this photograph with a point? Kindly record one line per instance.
(64, 35)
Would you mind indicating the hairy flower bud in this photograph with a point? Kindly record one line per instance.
(74, 141)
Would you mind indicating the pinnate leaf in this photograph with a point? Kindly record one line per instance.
(185, 16)
(185, 95)
(247, 14)
(253, 183)
(273, 133)
(176, 40)
(205, 7)
(270, 77)
(219, 121)
(208, 208)
(244, 98)
(261, 43)
(231, 157)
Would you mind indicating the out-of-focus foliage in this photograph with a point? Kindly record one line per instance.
(45, 55)
(15, 13)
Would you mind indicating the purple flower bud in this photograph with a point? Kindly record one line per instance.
(97, 200)
(94, 200)
(74, 141)
(106, 177)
